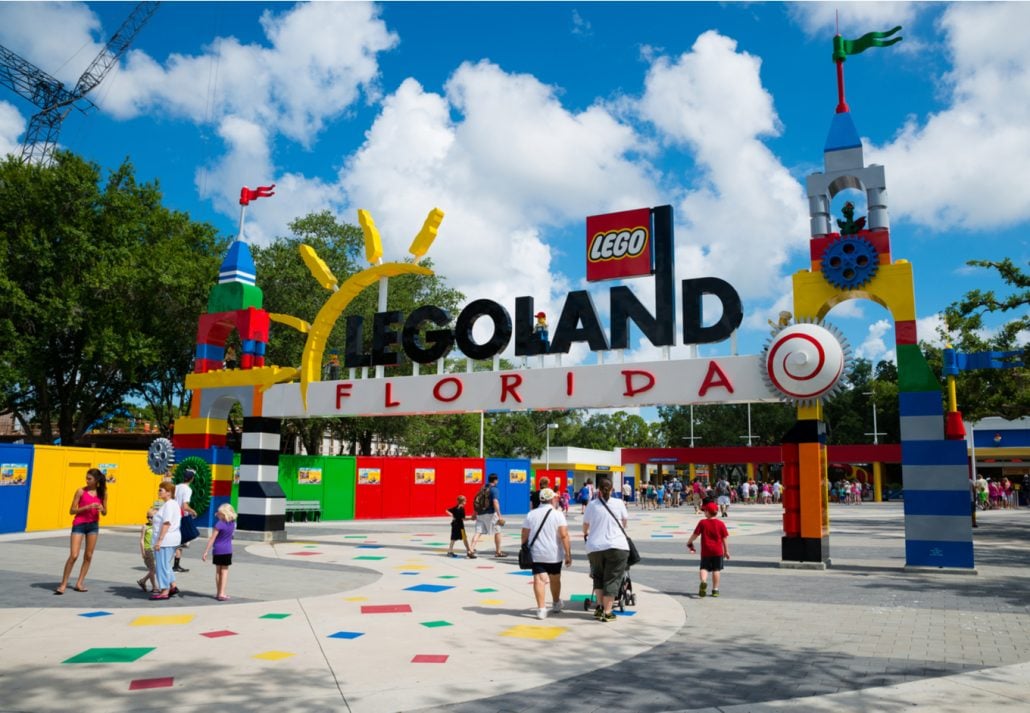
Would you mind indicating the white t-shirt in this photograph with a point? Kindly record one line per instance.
(626, 490)
(183, 494)
(547, 547)
(170, 513)
(604, 533)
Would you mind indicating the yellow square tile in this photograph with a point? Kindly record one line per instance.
(355, 599)
(412, 566)
(528, 631)
(491, 602)
(274, 655)
(162, 619)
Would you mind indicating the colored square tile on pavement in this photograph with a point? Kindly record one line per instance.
(273, 616)
(491, 602)
(273, 655)
(370, 557)
(386, 609)
(145, 684)
(431, 588)
(370, 547)
(539, 633)
(436, 624)
(346, 634)
(94, 614)
(484, 590)
(355, 599)
(112, 655)
(218, 634)
(162, 619)
(430, 658)
(304, 554)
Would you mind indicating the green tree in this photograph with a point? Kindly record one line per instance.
(726, 424)
(990, 392)
(99, 288)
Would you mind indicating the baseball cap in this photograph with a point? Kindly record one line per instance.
(711, 507)
(546, 494)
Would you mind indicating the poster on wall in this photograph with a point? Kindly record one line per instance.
(474, 475)
(425, 476)
(309, 476)
(14, 474)
(110, 471)
(516, 476)
(368, 476)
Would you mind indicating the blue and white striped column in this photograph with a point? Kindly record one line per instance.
(938, 527)
(262, 502)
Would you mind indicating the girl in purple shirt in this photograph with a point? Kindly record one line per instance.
(219, 544)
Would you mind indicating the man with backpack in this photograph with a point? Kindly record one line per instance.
(487, 505)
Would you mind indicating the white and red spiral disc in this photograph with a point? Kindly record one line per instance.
(804, 362)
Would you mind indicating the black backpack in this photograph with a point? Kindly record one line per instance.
(482, 503)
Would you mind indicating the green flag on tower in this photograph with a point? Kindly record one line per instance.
(842, 47)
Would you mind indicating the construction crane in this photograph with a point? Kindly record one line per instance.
(52, 98)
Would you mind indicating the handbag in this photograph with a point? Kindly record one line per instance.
(188, 530)
(526, 551)
(634, 555)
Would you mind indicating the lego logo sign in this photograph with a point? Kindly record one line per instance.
(619, 245)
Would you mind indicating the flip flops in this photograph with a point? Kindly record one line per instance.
(80, 589)
(141, 584)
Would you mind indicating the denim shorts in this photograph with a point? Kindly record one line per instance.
(86, 528)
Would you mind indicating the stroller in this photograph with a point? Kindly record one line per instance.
(625, 598)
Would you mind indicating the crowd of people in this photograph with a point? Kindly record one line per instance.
(1000, 493)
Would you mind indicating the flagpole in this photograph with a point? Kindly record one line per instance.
(243, 211)
(842, 106)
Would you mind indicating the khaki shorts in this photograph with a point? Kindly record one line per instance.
(487, 524)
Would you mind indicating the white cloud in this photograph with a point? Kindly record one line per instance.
(853, 18)
(875, 346)
(745, 214)
(12, 126)
(68, 27)
(928, 329)
(965, 164)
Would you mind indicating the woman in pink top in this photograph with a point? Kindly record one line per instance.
(88, 504)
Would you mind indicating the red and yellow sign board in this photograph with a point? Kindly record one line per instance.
(619, 245)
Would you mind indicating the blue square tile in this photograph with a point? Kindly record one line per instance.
(91, 614)
(346, 635)
(434, 588)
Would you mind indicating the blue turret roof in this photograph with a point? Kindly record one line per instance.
(238, 265)
(843, 134)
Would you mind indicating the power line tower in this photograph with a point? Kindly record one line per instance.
(52, 98)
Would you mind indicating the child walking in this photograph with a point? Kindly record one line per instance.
(457, 514)
(220, 544)
(713, 534)
(146, 550)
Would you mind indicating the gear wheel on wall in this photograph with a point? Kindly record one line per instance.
(804, 362)
(201, 485)
(160, 456)
(850, 262)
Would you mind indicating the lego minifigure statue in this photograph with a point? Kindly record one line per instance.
(540, 328)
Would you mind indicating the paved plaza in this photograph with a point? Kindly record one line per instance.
(372, 616)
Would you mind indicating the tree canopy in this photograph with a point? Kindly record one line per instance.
(100, 287)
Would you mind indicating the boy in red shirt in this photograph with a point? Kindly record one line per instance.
(713, 534)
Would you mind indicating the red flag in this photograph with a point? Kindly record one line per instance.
(247, 195)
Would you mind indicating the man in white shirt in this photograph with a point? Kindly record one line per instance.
(607, 547)
(627, 490)
(547, 530)
(183, 495)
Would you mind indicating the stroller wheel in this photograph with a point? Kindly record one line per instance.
(586, 605)
(622, 606)
(632, 600)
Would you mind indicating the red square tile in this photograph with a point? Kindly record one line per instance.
(218, 634)
(141, 684)
(430, 658)
(386, 608)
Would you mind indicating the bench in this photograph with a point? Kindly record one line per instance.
(310, 510)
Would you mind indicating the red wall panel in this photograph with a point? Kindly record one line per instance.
(368, 499)
(398, 479)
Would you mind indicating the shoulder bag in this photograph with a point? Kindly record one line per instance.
(526, 551)
(634, 556)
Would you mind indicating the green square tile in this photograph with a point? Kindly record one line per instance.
(273, 616)
(437, 544)
(435, 624)
(448, 576)
(370, 557)
(119, 655)
(485, 590)
(355, 537)
(580, 597)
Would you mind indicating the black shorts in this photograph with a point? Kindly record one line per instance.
(547, 568)
(222, 560)
(457, 531)
(711, 564)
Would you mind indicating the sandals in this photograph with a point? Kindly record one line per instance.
(156, 597)
(141, 584)
(223, 598)
(80, 589)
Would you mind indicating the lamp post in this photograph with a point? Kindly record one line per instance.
(547, 449)
(876, 433)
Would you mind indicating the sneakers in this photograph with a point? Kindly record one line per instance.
(703, 589)
(599, 613)
(715, 592)
(557, 607)
(610, 616)
(179, 569)
(471, 555)
(451, 554)
(541, 613)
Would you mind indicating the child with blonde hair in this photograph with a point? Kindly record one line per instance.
(219, 544)
(146, 550)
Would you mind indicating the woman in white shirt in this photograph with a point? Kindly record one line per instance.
(547, 549)
(166, 540)
(607, 547)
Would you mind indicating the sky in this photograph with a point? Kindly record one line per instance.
(519, 120)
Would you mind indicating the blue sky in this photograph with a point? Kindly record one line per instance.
(520, 119)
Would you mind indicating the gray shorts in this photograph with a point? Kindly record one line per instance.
(607, 568)
(487, 524)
